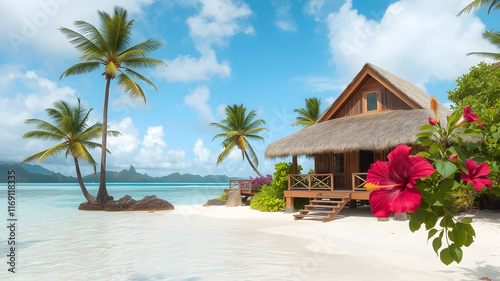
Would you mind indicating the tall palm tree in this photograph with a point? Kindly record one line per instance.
(236, 128)
(309, 115)
(70, 126)
(108, 46)
(477, 5)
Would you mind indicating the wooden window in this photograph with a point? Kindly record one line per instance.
(371, 101)
(338, 163)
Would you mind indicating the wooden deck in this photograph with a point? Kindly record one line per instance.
(244, 186)
(321, 187)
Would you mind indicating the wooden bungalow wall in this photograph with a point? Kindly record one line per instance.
(387, 100)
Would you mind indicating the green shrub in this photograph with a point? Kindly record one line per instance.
(223, 197)
(269, 199)
(272, 198)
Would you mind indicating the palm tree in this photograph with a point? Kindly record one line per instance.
(494, 39)
(477, 5)
(309, 115)
(108, 46)
(236, 128)
(70, 126)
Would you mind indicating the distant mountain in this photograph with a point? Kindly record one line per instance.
(37, 174)
(23, 175)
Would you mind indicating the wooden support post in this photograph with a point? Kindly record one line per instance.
(352, 204)
(289, 205)
(294, 165)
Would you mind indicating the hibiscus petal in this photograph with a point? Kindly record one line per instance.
(421, 168)
(407, 200)
(482, 170)
(480, 182)
(380, 201)
(378, 174)
(399, 163)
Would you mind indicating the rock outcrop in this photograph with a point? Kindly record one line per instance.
(215, 202)
(126, 203)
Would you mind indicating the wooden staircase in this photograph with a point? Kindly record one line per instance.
(324, 208)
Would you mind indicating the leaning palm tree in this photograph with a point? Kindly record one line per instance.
(108, 46)
(309, 115)
(237, 128)
(477, 5)
(70, 126)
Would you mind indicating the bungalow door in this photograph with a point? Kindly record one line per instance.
(366, 158)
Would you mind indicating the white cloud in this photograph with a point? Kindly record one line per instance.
(217, 21)
(411, 40)
(35, 22)
(202, 154)
(284, 19)
(214, 24)
(198, 100)
(188, 69)
(153, 153)
(319, 9)
(25, 95)
(127, 142)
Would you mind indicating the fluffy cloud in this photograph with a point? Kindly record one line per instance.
(35, 23)
(127, 142)
(25, 95)
(284, 18)
(188, 69)
(153, 153)
(215, 23)
(198, 100)
(201, 153)
(412, 40)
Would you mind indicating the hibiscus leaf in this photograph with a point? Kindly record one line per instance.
(445, 256)
(459, 237)
(445, 168)
(420, 215)
(432, 232)
(434, 148)
(469, 240)
(427, 127)
(425, 134)
(430, 220)
(466, 220)
(467, 227)
(458, 140)
(423, 154)
(424, 141)
(458, 151)
(437, 243)
(455, 252)
(414, 225)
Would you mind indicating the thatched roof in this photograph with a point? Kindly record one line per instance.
(374, 131)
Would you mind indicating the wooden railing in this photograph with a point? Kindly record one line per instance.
(310, 182)
(358, 181)
(240, 184)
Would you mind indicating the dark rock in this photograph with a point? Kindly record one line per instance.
(214, 202)
(126, 203)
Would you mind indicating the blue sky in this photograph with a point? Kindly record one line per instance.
(267, 55)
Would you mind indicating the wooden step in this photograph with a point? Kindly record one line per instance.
(321, 206)
(326, 201)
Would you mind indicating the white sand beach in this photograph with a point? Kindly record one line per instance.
(355, 246)
(223, 243)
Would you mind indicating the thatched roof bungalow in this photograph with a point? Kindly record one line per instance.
(376, 112)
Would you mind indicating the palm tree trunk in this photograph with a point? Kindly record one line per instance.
(102, 195)
(251, 164)
(87, 195)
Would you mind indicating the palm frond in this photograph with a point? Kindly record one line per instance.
(494, 56)
(147, 46)
(80, 42)
(45, 126)
(143, 63)
(88, 157)
(80, 68)
(225, 153)
(253, 155)
(139, 76)
(53, 151)
(43, 135)
(130, 88)
(93, 35)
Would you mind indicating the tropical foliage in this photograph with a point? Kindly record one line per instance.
(108, 47)
(271, 198)
(237, 128)
(477, 5)
(70, 127)
(308, 115)
(424, 184)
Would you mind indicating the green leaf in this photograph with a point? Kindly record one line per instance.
(420, 215)
(424, 141)
(445, 256)
(437, 243)
(432, 232)
(423, 154)
(445, 168)
(430, 220)
(459, 237)
(458, 140)
(467, 227)
(427, 127)
(458, 151)
(455, 253)
(425, 134)
(414, 225)
(469, 240)
(434, 148)
(446, 221)
(466, 220)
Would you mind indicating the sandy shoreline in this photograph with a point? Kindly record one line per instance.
(363, 248)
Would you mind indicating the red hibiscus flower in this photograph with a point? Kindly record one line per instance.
(432, 121)
(393, 183)
(476, 174)
(468, 117)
